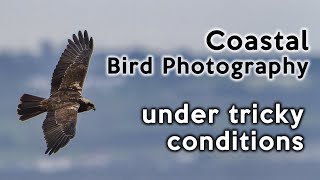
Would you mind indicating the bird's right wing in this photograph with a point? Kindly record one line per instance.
(60, 126)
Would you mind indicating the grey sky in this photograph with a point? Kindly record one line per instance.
(158, 25)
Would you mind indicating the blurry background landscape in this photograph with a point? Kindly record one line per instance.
(112, 142)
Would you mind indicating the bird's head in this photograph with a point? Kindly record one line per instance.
(86, 105)
(90, 106)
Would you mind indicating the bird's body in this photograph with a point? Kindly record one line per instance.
(65, 101)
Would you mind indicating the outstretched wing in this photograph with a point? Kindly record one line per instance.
(72, 67)
(60, 126)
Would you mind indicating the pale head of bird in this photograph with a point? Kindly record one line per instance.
(86, 105)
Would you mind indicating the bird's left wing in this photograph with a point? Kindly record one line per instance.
(60, 126)
(75, 74)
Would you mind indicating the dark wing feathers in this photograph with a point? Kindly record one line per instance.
(81, 40)
(86, 39)
(60, 126)
(77, 53)
(74, 76)
(76, 41)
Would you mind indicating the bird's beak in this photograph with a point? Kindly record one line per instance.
(94, 108)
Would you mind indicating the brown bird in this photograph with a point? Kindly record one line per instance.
(65, 101)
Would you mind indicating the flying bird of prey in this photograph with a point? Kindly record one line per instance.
(65, 101)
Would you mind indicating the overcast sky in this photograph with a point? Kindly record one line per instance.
(158, 25)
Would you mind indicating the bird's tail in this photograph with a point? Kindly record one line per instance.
(31, 106)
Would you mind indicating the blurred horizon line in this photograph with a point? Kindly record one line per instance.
(46, 47)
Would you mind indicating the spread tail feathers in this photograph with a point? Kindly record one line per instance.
(31, 106)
